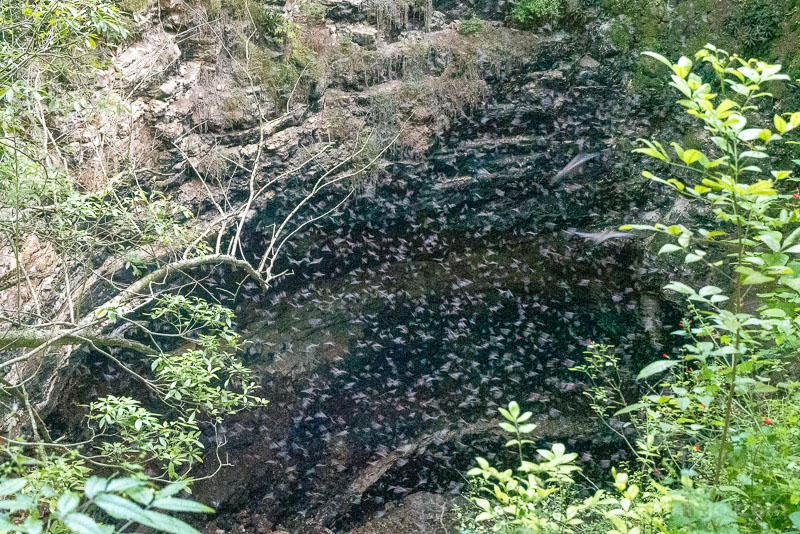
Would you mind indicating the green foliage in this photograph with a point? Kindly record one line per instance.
(48, 50)
(61, 471)
(143, 436)
(632, 8)
(275, 26)
(534, 498)
(721, 394)
(313, 12)
(620, 35)
(725, 404)
(529, 12)
(754, 23)
(103, 506)
(470, 26)
(43, 44)
(715, 435)
(543, 497)
(54, 32)
(206, 382)
(134, 220)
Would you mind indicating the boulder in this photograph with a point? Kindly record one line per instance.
(363, 35)
(589, 62)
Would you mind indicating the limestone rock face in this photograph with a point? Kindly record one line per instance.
(147, 64)
(459, 274)
(588, 62)
(363, 35)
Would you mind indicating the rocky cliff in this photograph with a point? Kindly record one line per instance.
(476, 257)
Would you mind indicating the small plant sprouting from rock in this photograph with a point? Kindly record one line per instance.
(470, 26)
(527, 13)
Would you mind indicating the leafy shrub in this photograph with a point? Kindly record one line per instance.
(313, 12)
(536, 496)
(127, 500)
(712, 407)
(715, 440)
(529, 12)
(470, 26)
(275, 26)
(544, 498)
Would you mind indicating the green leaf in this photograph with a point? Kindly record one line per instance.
(658, 57)
(769, 240)
(82, 524)
(142, 494)
(756, 278)
(11, 486)
(680, 287)
(483, 504)
(67, 503)
(750, 134)
(170, 490)
(709, 290)
(780, 124)
(483, 516)
(166, 523)
(669, 247)
(691, 156)
(181, 505)
(791, 282)
(6, 523)
(22, 502)
(119, 507)
(652, 152)
(123, 484)
(764, 388)
(681, 85)
(508, 427)
(683, 67)
(656, 367)
(631, 408)
(757, 154)
(93, 486)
